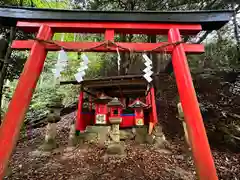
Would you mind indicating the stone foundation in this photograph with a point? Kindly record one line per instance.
(127, 134)
(108, 137)
(97, 134)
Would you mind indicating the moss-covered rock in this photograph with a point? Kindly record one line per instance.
(126, 134)
(150, 139)
(91, 137)
(141, 133)
(160, 142)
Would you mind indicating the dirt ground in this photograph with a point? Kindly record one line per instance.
(89, 162)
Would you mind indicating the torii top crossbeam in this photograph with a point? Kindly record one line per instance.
(47, 22)
(209, 20)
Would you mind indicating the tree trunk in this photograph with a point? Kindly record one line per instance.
(7, 61)
(32, 4)
(123, 63)
(21, 3)
(236, 34)
(155, 62)
(3, 50)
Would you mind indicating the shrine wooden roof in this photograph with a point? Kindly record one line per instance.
(115, 86)
(210, 20)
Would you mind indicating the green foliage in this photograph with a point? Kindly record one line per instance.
(16, 66)
(50, 4)
(219, 55)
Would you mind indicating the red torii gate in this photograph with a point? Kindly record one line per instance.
(39, 47)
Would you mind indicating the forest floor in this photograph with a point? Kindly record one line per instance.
(88, 162)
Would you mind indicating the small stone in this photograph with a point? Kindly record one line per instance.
(115, 148)
(57, 152)
(47, 154)
(36, 153)
(163, 151)
(179, 157)
(39, 153)
(69, 149)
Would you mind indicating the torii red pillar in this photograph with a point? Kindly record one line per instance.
(197, 133)
(18, 106)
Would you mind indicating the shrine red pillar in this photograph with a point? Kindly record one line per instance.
(153, 104)
(80, 125)
(153, 114)
(197, 134)
(90, 104)
(148, 98)
(18, 106)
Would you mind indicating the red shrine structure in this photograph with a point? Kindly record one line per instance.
(46, 22)
(127, 90)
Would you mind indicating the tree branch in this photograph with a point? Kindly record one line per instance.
(208, 6)
(121, 4)
(236, 34)
(203, 37)
(32, 4)
(237, 9)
